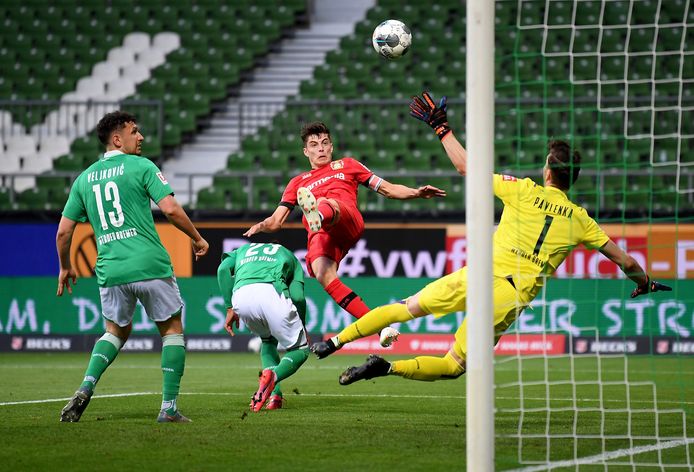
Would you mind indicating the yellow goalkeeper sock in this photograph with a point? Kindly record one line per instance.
(427, 368)
(374, 321)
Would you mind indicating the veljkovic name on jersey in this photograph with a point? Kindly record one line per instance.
(105, 173)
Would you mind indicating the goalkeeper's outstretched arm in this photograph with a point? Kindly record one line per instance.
(628, 264)
(425, 109)
(632, 269)
(456, 152)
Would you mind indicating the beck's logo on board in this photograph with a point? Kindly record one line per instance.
(139, 344)
(46, 343)
(208, 344)
(662, 346)
(682, 347)
(17, 343)
(337, 165)
(581, 346)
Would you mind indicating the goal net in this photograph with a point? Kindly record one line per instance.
(591, 379)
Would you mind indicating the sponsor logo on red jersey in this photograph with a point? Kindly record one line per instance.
(337, 165)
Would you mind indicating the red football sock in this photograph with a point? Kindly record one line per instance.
(327, 212)
(346, 298)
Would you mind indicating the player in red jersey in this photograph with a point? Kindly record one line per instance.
(327, 195)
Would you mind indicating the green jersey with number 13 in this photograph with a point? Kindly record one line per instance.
(114, 195)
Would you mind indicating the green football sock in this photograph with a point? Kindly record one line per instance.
(105, 351)
(291, 362)
(269, 358)
(173, 362)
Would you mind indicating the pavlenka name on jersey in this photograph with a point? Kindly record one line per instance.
(550, 207)
(318, 182)
(106, 173)
(246, 260)
(117, 235)
(538, 261)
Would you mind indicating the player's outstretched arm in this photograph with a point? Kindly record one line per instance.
(63, 241)
(426, 110)
(633, 270)
(270, 224)
(178, 217)
(456, 152)
(402, 192)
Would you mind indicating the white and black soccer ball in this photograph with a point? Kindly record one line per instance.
(254, 344)
(392, 39)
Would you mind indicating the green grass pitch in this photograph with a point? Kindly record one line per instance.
(375, 425)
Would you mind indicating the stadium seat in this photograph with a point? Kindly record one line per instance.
(211, 198)
(105, 71)
(33, 198)
(166, 41)
(136, 42)
(644, 12)
(151, 58)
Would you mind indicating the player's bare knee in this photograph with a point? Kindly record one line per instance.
(121, 332)
(324, 277)
(413, 306)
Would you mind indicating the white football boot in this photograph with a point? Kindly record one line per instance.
(308, 205)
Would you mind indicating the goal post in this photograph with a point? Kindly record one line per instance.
(479, 211)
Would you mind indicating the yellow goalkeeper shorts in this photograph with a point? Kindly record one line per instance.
(449, 294)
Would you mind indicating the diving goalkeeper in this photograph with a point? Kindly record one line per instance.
(539, 227)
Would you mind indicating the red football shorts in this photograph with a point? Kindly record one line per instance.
(338, 239)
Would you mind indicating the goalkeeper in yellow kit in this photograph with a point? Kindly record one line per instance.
(539, 227)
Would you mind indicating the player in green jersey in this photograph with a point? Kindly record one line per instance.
(263, 285)
(114, 195)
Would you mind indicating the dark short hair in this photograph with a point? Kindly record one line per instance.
(111, 122)
(564, 165)
(314, 128)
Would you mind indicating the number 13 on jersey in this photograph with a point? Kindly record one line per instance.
(112, 195)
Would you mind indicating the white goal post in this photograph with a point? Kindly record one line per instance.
(479, 211)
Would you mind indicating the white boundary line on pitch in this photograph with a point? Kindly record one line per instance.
(52, 400)
(344, 395)
(606, 456)
(230, 394)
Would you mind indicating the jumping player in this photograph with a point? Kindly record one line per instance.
(539, 227)
(327, 195)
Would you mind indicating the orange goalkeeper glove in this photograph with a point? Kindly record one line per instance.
(426, 110)
(650, 286)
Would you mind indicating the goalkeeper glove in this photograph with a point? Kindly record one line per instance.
(426, 110)
(650, 286)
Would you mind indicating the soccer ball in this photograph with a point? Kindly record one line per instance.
(254, 344)
(391, 39)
